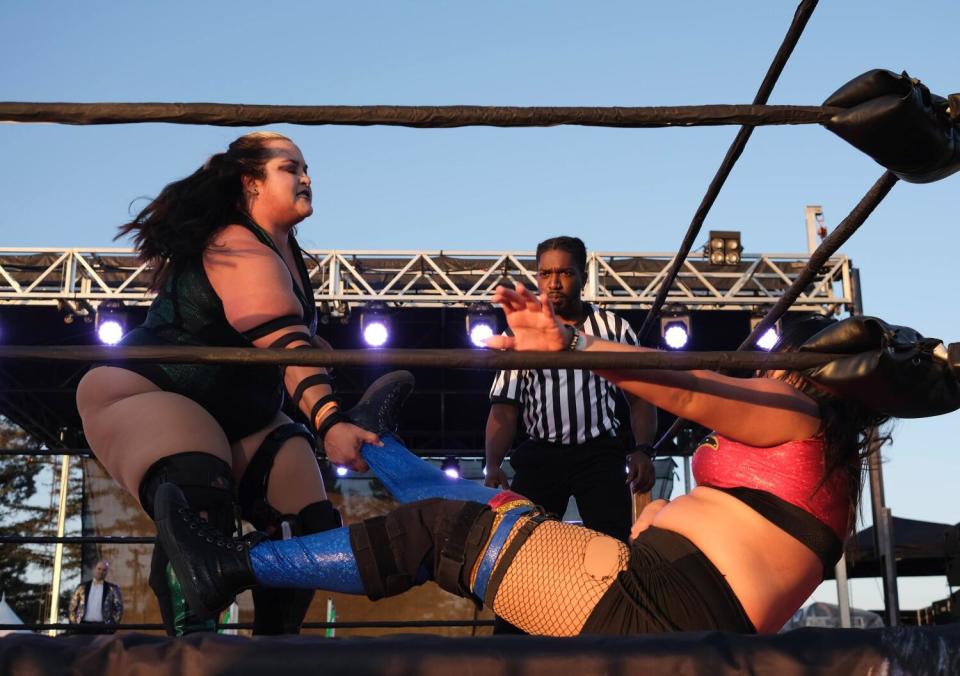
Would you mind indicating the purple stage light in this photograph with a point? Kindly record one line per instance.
(451, 467)
(110, 331)
(768, 340)
(676, 336)
(375, 333)
(479, 334)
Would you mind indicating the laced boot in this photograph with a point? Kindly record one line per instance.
(211, 567)
(379, 407)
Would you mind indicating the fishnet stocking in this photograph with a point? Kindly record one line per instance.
(557, 578)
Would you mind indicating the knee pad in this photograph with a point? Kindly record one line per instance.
(205, 480)
(253, 486)
(436, 538)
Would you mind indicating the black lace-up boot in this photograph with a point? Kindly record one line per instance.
(211, 567)
(379, 407)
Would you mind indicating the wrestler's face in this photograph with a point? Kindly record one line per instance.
(559, 278)
(283, 197)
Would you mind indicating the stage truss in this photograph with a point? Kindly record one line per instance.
(78, 280)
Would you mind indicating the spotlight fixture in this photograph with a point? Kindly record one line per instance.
(769, 338)
(111, 323)
(375, 324)
(451, 467)
(675, 330)
(342, 471)
(724, 247)
(481, 323)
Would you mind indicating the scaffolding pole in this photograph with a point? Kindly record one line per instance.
(58, 551)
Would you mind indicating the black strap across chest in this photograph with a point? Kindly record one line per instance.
(301, 290)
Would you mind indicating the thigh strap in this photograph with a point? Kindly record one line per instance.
(489, 574)
(253, 485)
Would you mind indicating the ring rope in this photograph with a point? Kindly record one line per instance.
(421, 358)
(420, 117)
(800, 19)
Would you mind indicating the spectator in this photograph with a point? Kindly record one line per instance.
(96, 601)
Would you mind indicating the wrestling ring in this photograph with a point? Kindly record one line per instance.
(867, 112)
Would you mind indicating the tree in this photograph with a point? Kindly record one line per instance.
(25, 482)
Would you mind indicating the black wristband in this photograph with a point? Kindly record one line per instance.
(647, 449)
(574, 339)
(320, 403)
(332, 419)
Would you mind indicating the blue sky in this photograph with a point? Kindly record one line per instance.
(621, 190)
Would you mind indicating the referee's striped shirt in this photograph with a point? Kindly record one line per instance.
(567, 406)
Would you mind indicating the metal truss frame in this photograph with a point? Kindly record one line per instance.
(77, 280)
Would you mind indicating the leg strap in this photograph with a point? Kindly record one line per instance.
(253, 486)
(465, 532)
(433, 538)
(486, 588)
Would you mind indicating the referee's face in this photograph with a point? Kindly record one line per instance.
(559, 278)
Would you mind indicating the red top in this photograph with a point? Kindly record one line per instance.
(790, 471)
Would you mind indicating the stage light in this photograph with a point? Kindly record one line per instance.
(111, 323)
(481, 323)
(769, 338)
(342, 471)
(451, 467)
(375, 325)
(724, 247)
(675, 330)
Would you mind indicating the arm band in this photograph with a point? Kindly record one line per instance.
(272, 325)
(321, 402)
(307, 383)
(291, 337)
(333, 419)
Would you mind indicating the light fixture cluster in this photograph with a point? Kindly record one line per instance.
(724, 248)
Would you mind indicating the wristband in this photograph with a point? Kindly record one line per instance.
(334, 418)
(318, 407)
(574, 343)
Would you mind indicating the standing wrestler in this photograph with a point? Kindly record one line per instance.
(572, 448)
(228, 272)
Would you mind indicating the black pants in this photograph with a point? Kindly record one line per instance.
(593, 473)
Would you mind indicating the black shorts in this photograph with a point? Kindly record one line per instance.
(669, 585)
(242, 399)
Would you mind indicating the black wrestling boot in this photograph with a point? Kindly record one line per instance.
(379, 407)
(211, 567)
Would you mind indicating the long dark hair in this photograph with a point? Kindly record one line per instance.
(851, 432)
(180, 222)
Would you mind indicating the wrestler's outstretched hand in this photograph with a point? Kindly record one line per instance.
(531, 318)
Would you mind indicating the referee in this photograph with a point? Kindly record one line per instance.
(572, 448)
